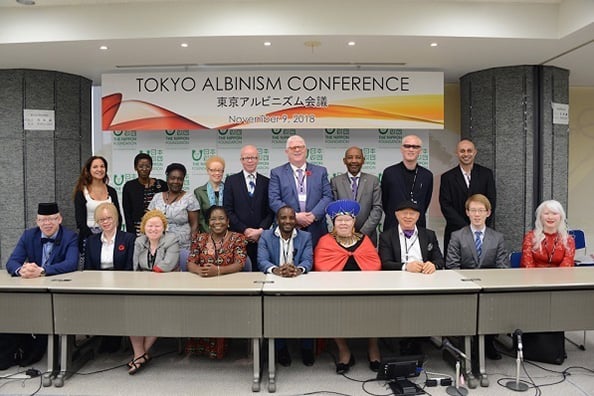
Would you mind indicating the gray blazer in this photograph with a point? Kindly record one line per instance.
(167, 258)
(462, 251)
(369, 196)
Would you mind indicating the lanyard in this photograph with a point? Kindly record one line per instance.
(407, 246)
(412, 188)
(286, 249)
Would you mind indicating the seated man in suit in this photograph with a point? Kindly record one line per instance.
(411, 248)
(47, 249)
(478, 246)
(287, 251)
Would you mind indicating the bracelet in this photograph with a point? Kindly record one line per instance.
(218, 270)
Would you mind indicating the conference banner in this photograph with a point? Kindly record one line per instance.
(196, 100)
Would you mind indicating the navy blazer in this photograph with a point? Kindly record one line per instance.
(64, 256)
(245, 211)
(394, 191)
(269, 250)
(283, 191)
(390, 251)
(123, 251)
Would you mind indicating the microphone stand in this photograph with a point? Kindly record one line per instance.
(457, 389)
(517, 385)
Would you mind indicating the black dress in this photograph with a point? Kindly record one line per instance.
(136, 200)
(351, 264)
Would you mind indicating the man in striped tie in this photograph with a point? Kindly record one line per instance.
(478, 246)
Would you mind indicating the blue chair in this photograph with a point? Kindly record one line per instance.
(514, 259)
(248, 265)
(580, 239)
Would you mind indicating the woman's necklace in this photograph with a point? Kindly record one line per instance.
(346, 241)
(168, 199)
(552, 251)
(98, 193)
(218, 247)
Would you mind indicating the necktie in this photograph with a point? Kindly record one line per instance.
(408, 233)
(478, 243)
(354, 186)
(467, 179)
(47, 245)
(252, 185)
(301, 192)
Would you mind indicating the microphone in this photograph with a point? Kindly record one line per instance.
(448, 345)
(518, 336)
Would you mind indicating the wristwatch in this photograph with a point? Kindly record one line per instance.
(42, 271)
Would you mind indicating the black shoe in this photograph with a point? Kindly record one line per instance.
(283, 357)
(491, 352)
(307, 356)
(374, 365)
(343, 368)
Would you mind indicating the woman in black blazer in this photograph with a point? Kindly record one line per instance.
(119, 244)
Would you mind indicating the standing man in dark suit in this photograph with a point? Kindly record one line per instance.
(246, 202)
(478, 246)
(461, 182)
(363, 188)
(304, 187)
(407, 180)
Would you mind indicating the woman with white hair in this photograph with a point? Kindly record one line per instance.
(549, 244)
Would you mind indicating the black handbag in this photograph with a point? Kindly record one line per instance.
(544, 347)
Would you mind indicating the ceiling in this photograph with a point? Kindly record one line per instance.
(471, 35)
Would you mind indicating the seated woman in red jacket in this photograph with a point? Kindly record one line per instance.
(346, 250)
(549, 244)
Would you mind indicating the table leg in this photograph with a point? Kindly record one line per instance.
(481, 346)
(470, 380)
(46, 380)
(256, 354)
(59, 381)
(271, 366)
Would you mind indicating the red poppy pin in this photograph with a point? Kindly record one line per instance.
(121, 248)
(307, 173)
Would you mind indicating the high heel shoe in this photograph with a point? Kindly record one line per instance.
(374, 365)
(343, 368)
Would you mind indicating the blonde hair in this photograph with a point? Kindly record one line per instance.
(149, 215)
(215, 158)
(480, 199)
(111, 208)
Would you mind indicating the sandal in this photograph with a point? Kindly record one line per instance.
(136, 365)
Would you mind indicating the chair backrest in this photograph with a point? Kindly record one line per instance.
(183, 259)
(514, 259)
(248, 265)
(579, 238)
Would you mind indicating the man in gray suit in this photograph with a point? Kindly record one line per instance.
(478, 246)
(363, 188)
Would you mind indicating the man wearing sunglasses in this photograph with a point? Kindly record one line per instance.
(407, 181)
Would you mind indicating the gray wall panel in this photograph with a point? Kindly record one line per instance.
(507, 112)
(40, 165)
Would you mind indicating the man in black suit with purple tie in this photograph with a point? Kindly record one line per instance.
(246, 202)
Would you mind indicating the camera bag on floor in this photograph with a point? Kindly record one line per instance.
(544, 347)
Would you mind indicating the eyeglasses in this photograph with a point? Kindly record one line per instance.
(295, 148)
(43, 220)
(475, 211)
(411, 146)
(249, 158)
(105, 220)
(216, 170)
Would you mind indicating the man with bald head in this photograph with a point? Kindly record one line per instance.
(461, 182)
(361, 187)
(246, 202)
(407, 181)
